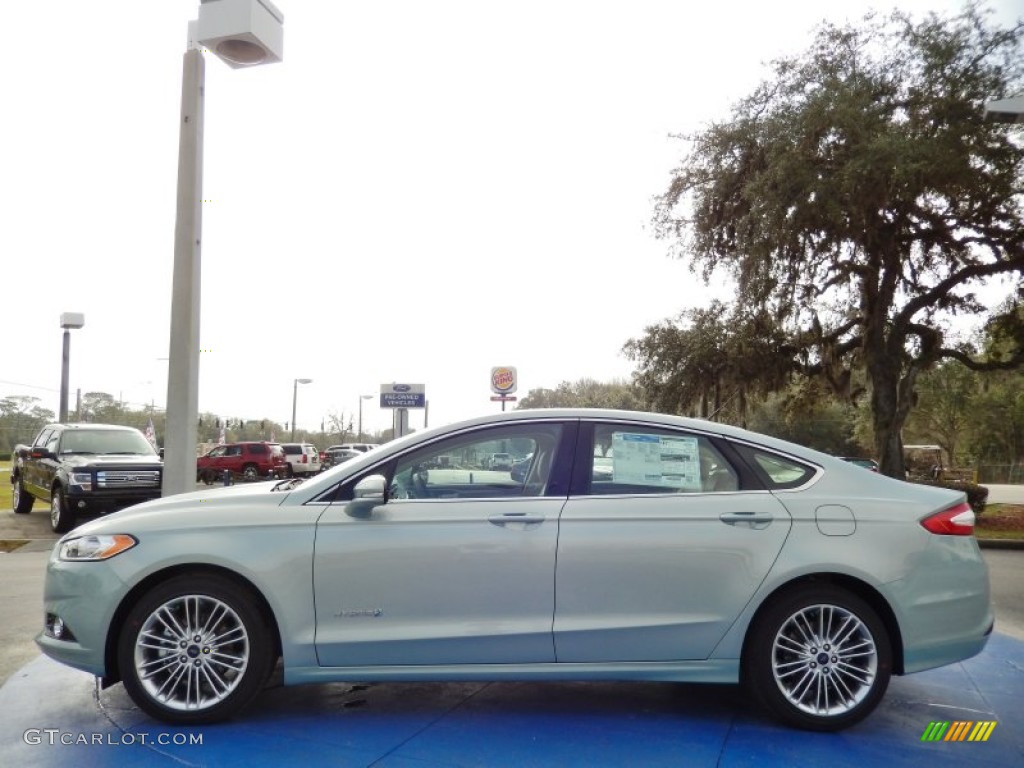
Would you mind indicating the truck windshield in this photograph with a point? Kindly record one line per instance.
(105, 441)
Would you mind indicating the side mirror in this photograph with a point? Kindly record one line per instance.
(41, 453)
(370, 493)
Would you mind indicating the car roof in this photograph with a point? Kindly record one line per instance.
(87, 425)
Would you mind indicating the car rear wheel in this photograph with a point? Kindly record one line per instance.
(62, 517)
(819, 658)
(195, 650)
(21, 501)
(250, 473)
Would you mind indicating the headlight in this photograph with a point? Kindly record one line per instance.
(96, 547)
(82, 478)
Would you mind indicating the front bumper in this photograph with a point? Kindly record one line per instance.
(102, 502)
(85, 596)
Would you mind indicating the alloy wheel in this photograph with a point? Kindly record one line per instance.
(824, 660)
(191, 652)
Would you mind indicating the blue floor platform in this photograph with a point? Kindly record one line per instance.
(53, 716)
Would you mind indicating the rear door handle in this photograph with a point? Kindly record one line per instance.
(755, 520)
(515, 517)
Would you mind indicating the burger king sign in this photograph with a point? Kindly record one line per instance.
(503, 380)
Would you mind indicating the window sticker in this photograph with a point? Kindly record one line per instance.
(642, 459)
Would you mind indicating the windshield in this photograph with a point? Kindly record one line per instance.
(105, 441)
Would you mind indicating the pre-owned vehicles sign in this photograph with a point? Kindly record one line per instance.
(396, 395)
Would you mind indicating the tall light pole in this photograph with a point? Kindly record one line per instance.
(241, 33)
(68, 320)
(361, 398)
(1006, 110)
(295, 397)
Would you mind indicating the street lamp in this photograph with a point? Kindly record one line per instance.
(295, 397)
(240, 33)
(361, 398)
(68, 320)
(1005, 110)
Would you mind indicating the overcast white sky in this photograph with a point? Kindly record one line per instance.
(419, 192)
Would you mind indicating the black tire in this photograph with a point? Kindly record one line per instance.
(62, 517)
(219, 679)
(250, 473)
(208, 476)
(818, 658)
(21, 502)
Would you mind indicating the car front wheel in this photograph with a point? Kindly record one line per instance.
(195, 650)
(250, 473)
(819, 658)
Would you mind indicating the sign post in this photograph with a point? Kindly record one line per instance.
(400, 398)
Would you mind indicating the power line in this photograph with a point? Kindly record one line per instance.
(28, 386)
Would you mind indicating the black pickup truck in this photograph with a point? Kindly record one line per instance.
(84, 468)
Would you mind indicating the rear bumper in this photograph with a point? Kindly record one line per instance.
(944, 604)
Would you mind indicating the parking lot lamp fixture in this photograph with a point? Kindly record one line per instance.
(68, 320)
(295, 397)
(361, 398)
(241, 33)
(1005, 110)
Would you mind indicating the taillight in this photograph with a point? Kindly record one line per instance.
(305, 459)
(955, 521)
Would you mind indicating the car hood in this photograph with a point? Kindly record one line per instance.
(223, 502)
(77, 460)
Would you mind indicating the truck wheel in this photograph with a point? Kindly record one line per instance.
(21, 501)
(250, 473)
(62, 517)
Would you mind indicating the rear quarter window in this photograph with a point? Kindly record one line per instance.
(777, 471)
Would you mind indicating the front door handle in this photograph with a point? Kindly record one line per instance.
(515, 517)
(756, 520)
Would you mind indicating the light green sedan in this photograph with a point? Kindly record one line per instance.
(627, 546)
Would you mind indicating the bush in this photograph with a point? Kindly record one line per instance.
(977, 495)
(5, 457)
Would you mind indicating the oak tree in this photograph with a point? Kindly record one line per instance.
(860, 197)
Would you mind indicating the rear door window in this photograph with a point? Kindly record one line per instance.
(639, 459)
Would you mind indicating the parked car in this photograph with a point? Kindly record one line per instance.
(336, 455)
(248, 460)
(707, 554)
(500, 462)
(361, 447)
(302, 458)
(521, 467)
(860, 462)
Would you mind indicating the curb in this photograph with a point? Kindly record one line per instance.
(32, 545)
(1001, 543)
